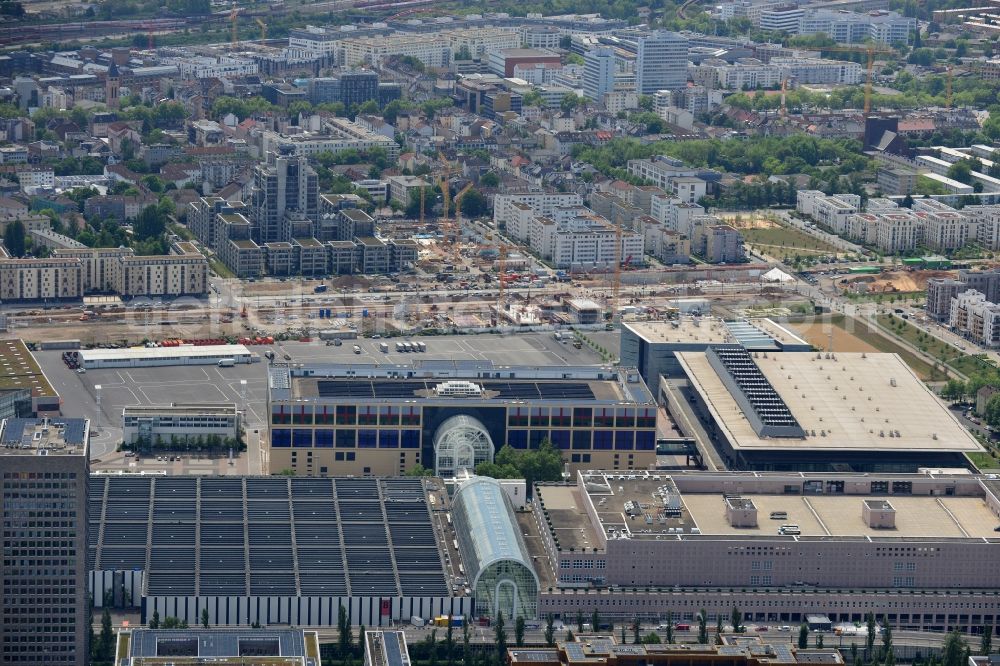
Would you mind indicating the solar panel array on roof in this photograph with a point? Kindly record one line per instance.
(758, 394)
(365, 389)
(267, 536)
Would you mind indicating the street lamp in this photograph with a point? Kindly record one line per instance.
(97, 392)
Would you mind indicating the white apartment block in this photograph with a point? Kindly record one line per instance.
(432, 50)
(744, 74)
(674, 214)
(32, 178)
(314, 42)
(660, 171)
(337, 135)
(891, 233)
(976, 318)
(830, 211)
(480, 42)
(587, 240)
(204, 67)
(945, 231)
(782, 19)
(688, 189)
(543, 204)
(882, 27)
(820, 70)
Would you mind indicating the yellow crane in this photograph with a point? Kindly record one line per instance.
(870, 50)
(233, 15)
(263, 30)
(458, 207)
(948, 84)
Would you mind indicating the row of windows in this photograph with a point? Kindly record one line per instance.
(598, 440)
(539, 417)
(344, 439)
(344, 415)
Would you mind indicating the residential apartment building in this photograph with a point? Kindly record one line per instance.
(506, 206)
(284, 183)
(820, 71)
(332, 135)
(40, 279)
(661, 62)
(784, 18)
(743, 74)
(44, 470)
(182, 274)
(897, 181)
(481, 42)
(945, 231)
(882, 27)
(723, 244)
(940, 292)
(401, 188)
(976, 318)
(583, 240)
(431, 50)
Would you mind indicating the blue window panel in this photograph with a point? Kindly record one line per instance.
(624, 440)
(581, 439)
(366, 439)
(345, 438)
(536, 437)
(645, 440)
(560, 439)
(603, 440)
(517, 439)
(281, 438)
(324, 439)
(388, 439)
(302, 438)
(411, 439)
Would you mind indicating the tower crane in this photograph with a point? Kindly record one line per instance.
(263, 30)
(233, 14)
(948, 85)
(870, 50)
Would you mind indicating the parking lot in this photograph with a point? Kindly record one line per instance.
(163, 385)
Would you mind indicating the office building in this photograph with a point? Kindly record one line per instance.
(598, 73)
(356, 88)
(44, 470)
(385, 648)
(661, 62)
(384, 419)
(179, 423)
(285, 183)
(897, 181)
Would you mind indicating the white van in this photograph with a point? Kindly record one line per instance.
(789, 529)
(357, 349)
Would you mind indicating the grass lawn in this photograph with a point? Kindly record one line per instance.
(220, 268)
(923, 369)
(784, 240)
(966, 364)
(983, 460)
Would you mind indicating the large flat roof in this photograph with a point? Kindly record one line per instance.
(756, 333)
(268, 536)
(844, 401)
(186, 351)
(622, 501)
(48, 437)
(20, 370)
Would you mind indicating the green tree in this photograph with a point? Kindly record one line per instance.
(106, 640)
(636, 630)
(670, 627)
(652, 638)
(474, 204)
(519, 631)
(154, 622)
(961, 171)
(543, 464)
(595, 621)
(986, 640)
(579, 622)
(13, 238)
(953, 652)
(872, 629)
(466, 640)
(204, 618)
(570, 101)
(736, 619)
(501, 640)
(550, 631)
(886, 636)
(992, 411)
(344, 628)
(419, 470)
(803, 636)
(171, 622)
(953, 390)
(489, 179)
(703, 627)
(819, 641)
